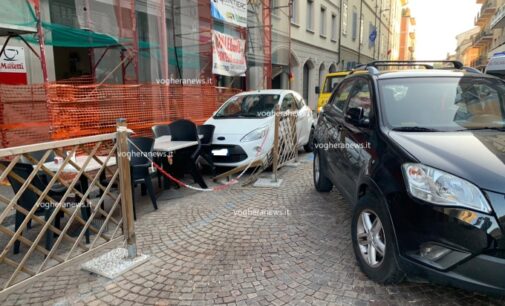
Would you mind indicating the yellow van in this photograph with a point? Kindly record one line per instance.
(331, 80)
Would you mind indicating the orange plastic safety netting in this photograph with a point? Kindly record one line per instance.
(27, 116)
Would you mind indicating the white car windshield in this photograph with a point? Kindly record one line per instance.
(249, 106)
(443, 104)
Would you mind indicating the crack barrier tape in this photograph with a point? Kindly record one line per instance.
(215, 188)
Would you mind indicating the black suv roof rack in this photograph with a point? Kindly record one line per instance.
(372, 67)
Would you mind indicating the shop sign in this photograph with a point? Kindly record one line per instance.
(231, 11)
(13, 66)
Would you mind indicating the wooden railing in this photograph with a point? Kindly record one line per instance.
(61, 201)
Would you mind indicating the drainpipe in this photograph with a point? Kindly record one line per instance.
(360, 30)
(340, 37)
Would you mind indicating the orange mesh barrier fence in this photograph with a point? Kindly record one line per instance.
(83, 110)
(23, 115)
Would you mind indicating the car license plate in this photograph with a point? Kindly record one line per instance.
(221, 152)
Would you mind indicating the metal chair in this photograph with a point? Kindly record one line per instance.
(185, 130)
(139, 168)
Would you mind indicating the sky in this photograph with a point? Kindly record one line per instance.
(438, 23)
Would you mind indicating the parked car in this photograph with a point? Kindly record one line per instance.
(421, 156)
(331, 81)
(245, 119)
(496, 65)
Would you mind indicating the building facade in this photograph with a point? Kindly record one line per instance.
(466, 52)
(487, 39)
(407, 36)
(289, 43)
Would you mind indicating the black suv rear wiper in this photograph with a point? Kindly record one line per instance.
(414, 129)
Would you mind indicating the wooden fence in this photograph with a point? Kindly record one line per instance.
(57, 207)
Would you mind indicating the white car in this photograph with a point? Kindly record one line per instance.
(244, 120)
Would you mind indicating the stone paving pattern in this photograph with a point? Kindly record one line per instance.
(204, 254)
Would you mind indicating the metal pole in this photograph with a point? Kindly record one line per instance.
(360, 30)
(340, 38)
(267, 45)
(163, 40)
(126, 188)
(133, 17)
(290, 71)
(275, 150)
(42, 44)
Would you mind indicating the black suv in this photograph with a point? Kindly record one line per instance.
(420, 153)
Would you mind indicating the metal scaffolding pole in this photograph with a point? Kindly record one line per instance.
(267, 45)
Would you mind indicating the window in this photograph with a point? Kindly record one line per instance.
(333, 27)
(273, 7)
(299, 103)
(444, 104)
(294, 11)
(322, 22)
(310, 15)
(339, 99)
(344, 18)
(354, 23)
(361, 98)
(288, 102)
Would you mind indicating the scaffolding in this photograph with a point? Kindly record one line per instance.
(90, 104)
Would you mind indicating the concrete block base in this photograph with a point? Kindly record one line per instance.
(267, 183)
(113, 263)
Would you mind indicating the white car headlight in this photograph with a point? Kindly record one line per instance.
(255, 134)
(440, 188)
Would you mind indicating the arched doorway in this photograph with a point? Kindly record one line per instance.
(280, 68)
(322, 73)
(332, 69)
(307, 70)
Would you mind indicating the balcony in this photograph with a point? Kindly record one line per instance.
(498, 20)
(486, 13)
(483, 38)
(412, 35)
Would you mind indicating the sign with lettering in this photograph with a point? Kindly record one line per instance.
(228, 54)
(13, 66)
(232, 11)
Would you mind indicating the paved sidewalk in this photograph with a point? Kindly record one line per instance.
(214, 248)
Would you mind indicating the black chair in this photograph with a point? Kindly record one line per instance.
(28, 199)
(139, 168)
(207, 130)
(161, 130)
(58, 187)
(185, 130)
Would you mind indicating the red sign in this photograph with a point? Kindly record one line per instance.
(13, 66)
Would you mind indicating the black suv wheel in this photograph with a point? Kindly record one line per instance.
(374, 243)
(322, 183)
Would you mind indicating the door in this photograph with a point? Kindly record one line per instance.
(356, 137)
(330, 148)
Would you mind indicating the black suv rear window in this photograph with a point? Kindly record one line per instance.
(448, 103)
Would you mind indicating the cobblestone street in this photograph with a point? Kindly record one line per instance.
(213, 248)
